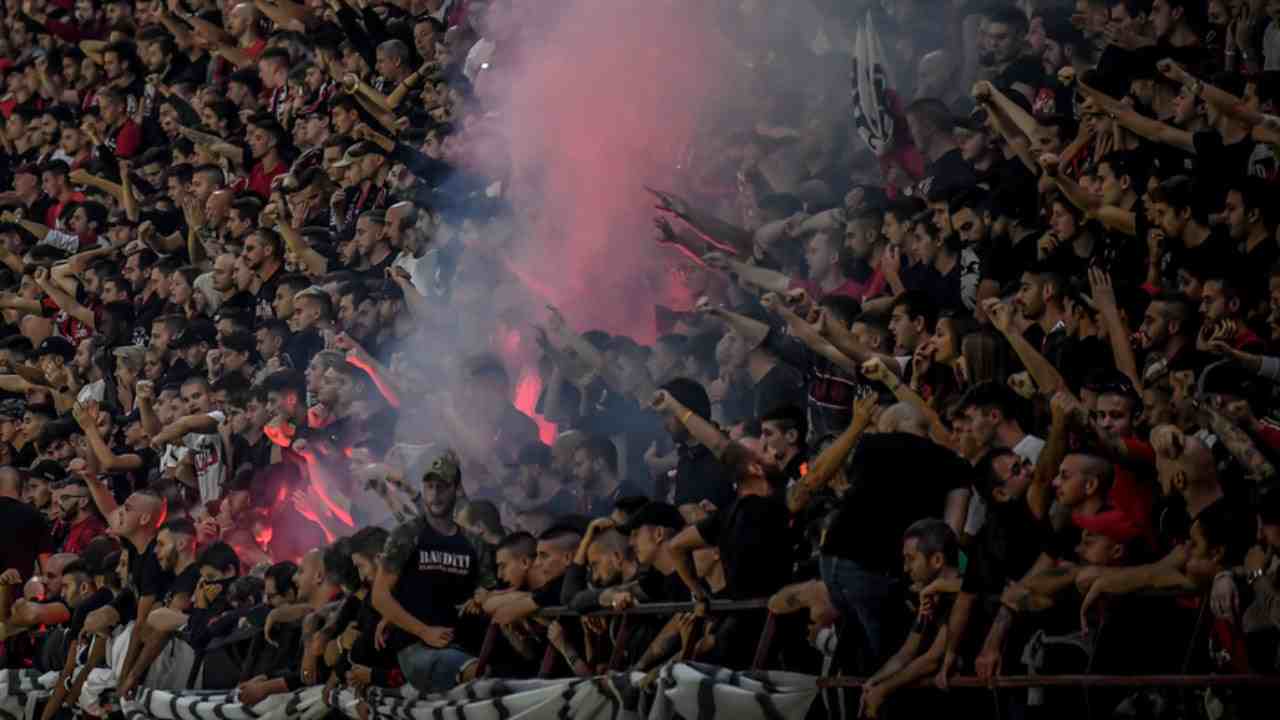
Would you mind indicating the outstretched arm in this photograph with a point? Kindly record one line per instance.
(829, 462)
(1152, 130)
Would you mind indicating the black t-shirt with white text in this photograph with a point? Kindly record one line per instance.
(437, 573)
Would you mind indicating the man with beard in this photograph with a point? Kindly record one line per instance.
(751, 533)
(136, 524)
(542, 587)
(373, 244)
(365, 167)
(77, 514)
(698, 475)
(595, 469)
(1165, 335)
(613, 569)
(26, 532)
(195, 598)
(40, 603)
(930, 552)
(358, 313)
(264, 254)
(615, 575)
(1002, 56)
(175, 553)
(427, 571)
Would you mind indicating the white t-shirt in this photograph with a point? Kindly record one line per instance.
(208, 460)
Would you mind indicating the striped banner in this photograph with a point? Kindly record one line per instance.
(681, 690)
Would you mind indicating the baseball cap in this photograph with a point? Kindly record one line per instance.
(445, 467)
(54, 345)
(655, 514)
(197, 332)
(1113, 524)
(358, 151)
(975, 121)
(132, 356)
(534, 453)
(27, 169)
(49, 471)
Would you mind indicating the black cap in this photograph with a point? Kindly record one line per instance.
(357, 151)
(975, 121)
(13, 409)
(655, 514)
(197, 331)
(534, 453)
(49, 471)
(54, 345)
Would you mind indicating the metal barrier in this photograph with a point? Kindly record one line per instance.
(647, 609)
(1084, 682)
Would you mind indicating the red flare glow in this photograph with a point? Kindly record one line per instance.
(315, 469)
(526, 400)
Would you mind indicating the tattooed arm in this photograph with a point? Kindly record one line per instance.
(1239, 444)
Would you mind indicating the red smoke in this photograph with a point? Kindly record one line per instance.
(605, 101)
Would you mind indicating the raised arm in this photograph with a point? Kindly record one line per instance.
(1152, 130)
(313, 262)
(700, 428)
(830, 460)
(1046, 376)
(763, 278)
(1113, 217)
(62, 298)
(1104, 296)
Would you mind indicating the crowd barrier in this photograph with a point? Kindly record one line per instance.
(754, 686)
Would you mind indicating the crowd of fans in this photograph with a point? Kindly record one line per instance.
(951, 409)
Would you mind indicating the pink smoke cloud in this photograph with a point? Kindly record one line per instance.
(607, 99)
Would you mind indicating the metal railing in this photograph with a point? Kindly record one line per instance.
(1085, 682)
(624, 630)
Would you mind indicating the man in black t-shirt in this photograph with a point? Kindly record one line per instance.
(751, 535)
(896, 478)
(427, 572)
(1003, 55)
(933, 132)
(930, 552)
(25, 533)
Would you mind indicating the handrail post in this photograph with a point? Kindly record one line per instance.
(766, 640)
(619, 645)
(548, 662)
(486, 649)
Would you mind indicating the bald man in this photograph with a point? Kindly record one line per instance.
(935, 76)
(42, 603)
(903, 418)
(136, 524)
(555, 553)
(314, 591)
